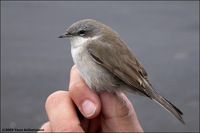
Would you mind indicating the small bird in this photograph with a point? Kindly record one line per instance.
(105, 62)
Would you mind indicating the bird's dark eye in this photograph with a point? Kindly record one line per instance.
(81, 32)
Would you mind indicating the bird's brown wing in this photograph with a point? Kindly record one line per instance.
(119, 61)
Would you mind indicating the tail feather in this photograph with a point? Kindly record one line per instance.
(163, 102)
(169, 107)
(181, 113)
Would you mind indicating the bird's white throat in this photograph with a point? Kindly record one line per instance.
(78, 41)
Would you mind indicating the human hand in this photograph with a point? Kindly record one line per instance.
(104, 112)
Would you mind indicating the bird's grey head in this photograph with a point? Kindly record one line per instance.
(86, 28)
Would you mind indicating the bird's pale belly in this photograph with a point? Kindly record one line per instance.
(95, 76)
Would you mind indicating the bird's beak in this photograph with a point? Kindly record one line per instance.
(64, 35)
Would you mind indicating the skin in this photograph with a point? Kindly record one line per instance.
(109, 113)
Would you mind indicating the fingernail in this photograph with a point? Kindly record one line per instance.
(88, 108)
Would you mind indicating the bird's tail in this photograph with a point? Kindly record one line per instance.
(168, 106)
(152, 94)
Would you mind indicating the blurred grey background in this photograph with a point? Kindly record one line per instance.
(164, 37)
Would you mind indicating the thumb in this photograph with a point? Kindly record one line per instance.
(118, 114)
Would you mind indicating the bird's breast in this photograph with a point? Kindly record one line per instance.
(96, 77)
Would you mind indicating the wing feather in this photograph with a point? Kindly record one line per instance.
(121, 63)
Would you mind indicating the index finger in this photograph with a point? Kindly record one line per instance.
(62, 113)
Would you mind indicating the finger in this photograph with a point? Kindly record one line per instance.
(118, 114)
(45, 128)
(87, 101)
(62, 113)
